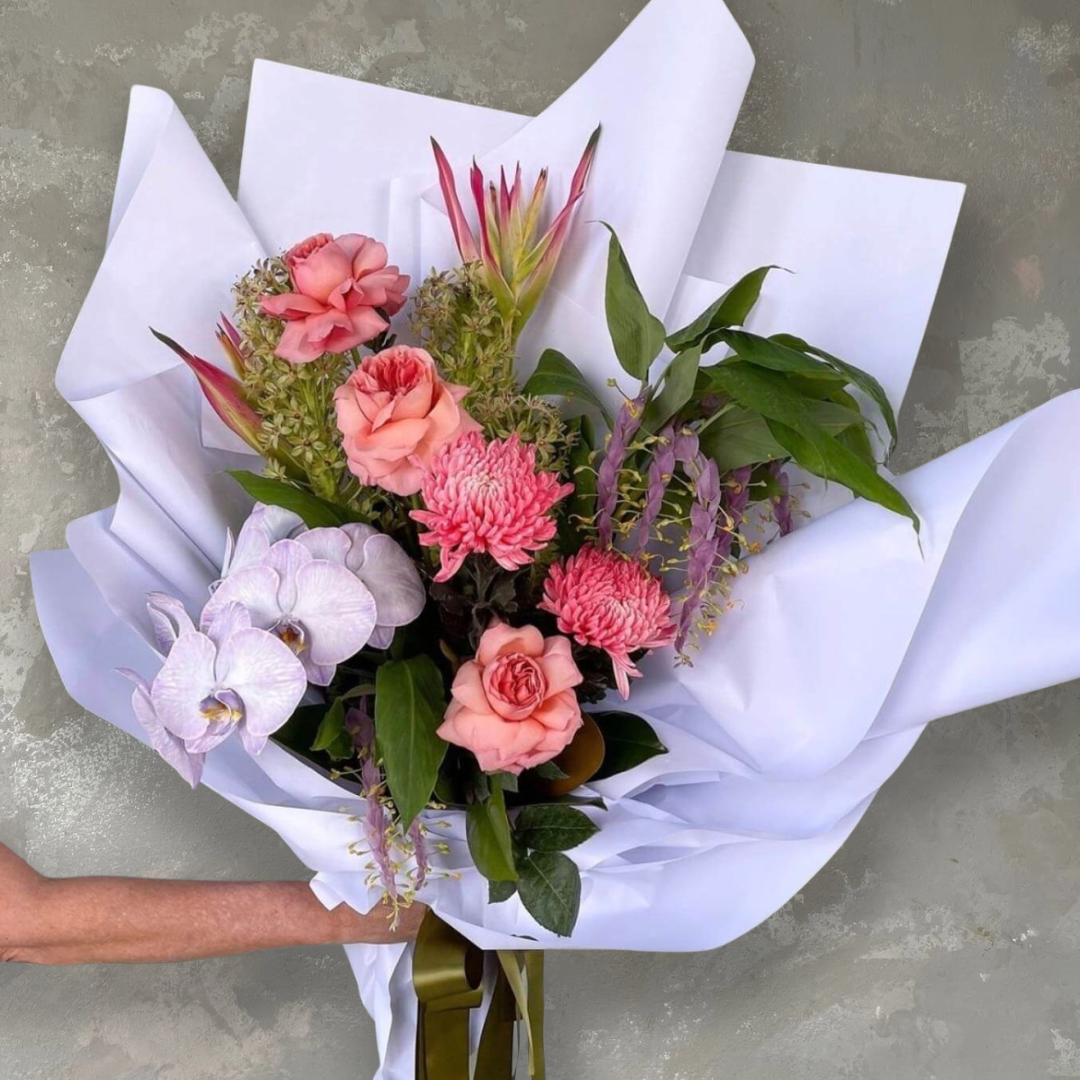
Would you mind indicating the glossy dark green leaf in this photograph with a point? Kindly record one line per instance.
(557, 376)
(676, 389)
(315, 512)
(487, 830)
(629, 741)
(732, 309)
(549, 885)
(551, 827)
(638, 336)
(332, 737)
(410, 700)
(767, 353)
(501, 891)
(856, 376)
(792, 425)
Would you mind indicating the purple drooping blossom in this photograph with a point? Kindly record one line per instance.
(702, 539)
(375, 822)
(661, 469)
(736, 496)
(420, 853)
(627, 424)
(781, 502)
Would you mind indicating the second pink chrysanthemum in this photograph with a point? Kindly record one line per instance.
(487, 497)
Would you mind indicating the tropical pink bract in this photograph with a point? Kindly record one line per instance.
(394, 412)
(604, 599)
(341, 286)
(514, 705)
(487, 497)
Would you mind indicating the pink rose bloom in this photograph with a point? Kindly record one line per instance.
(341, 286)
(394, 412)
(514, 705)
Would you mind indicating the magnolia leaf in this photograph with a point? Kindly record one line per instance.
(500, 891)
(637, 334)
(551, 827)
(315, 512)
(629, 741)
(487, 830)
(557, 376)
(578, 762)
(732, 309)
(549, 885)
(410, 699)
(676, 390)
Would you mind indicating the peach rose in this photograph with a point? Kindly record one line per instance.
(394, 412)
(344, 287)
(514, 704)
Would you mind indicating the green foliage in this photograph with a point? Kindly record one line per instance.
(316, 512)
(732, 309)
(556, 376)
(410, 700)
(549, 885)
(551, 827)
(637, 334)
(487, 830)
(629, 741)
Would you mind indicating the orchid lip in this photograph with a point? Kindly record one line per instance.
(222, 707)
(292, 633)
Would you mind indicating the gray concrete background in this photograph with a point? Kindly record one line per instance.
(944, 940)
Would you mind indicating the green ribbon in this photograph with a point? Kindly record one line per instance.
(448, 972)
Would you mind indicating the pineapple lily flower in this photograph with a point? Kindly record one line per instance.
(517, 260)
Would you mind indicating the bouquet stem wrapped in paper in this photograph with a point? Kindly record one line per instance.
(409, 539)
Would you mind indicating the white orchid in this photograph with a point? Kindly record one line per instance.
(169, 746)
(316, 606)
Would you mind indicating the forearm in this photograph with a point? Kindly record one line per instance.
(127, 920)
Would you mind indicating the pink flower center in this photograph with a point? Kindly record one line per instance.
(395, 375)
(312, 244)
(515, 685)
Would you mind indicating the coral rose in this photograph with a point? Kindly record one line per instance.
(394, 412)
(514, 704)
(343, 290)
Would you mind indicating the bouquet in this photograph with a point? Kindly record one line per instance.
(531, 586)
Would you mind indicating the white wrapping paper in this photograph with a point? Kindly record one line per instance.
(849, 638)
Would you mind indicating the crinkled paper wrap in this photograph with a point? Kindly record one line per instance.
(848, 637)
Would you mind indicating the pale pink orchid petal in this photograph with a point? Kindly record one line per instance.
(392, 579)
(266, 675)
(336, 610)
(185, 680)
(169, 618)
(171, 748)
(264, 526)
(230, 619)
(256, 588)
(330, 544)
(286, 558)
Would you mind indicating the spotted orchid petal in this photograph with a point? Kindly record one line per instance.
(265, 526)
(226, 622)
(256, 588)
(330, 544)
(336, 610)
(266, 676)
(172, 749)
(392, 578)
(185, 680)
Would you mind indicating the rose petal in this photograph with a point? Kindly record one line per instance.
(500, 638)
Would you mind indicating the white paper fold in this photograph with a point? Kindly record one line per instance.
(849, 637)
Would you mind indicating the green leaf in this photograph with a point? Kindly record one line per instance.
(740, 437)
(410, 700)
(790, 422)
(550, 827)
(549, 771)
(628, 740)
(487, 830)
(557, 376)
(637, 334)
(856, 376)
(316, 513)
(678, 386)
(766, 353)
(549, 885)
(581, 506)
(507, 781)
(732, 309)
(332, 736)
(501, 891)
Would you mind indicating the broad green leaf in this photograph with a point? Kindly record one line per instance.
(552, 827)
(500, 891)
(856, 376)
(637, 334)
(628, 740)
(740, 437)
(732, 309)
(316, 512)
(549, 885)
(557, 376)
(549, 771)
(487, 830)
(410, 700)
(792, 425)
(581, 506)
(507, 781)
(763, 352)
(332, 736)
(676, 389)
(833, 417)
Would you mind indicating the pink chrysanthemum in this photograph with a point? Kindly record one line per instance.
(604, 599)
(487, 497)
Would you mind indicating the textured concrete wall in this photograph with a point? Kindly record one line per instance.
(944, 940)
